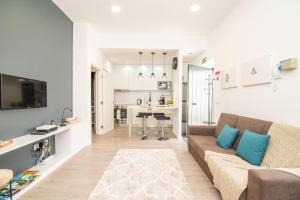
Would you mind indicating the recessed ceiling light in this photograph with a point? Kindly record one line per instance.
(195, 8)
(115, 8)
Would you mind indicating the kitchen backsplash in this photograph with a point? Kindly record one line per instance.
(130, 97)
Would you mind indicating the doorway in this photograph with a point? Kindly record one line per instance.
(200, 95)
(104, 97)
(93, 100)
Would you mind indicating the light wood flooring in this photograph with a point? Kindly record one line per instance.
(75, 179)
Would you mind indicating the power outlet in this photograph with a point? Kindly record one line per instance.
(36, 146)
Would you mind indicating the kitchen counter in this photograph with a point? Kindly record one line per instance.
(147, 108)
(133, 110)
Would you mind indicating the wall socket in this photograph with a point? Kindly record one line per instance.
(39, 145)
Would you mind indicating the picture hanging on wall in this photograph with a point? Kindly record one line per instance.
(257, 71)
(229, 78)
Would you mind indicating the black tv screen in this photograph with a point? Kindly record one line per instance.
(20, 93)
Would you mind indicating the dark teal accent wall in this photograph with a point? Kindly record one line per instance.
(36, 40)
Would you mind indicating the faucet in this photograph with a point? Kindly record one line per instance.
(62, 116)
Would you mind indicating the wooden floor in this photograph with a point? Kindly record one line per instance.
(77, 177)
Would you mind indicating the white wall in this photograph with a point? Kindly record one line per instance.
(85, 55)
(253, 29)
(177, 93)
(82, 80)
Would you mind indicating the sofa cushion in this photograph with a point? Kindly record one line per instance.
(196, 140)
(255, 125)
(227, 137)
(225, 118)
(284, 147)
(252, 147)
(213, 147)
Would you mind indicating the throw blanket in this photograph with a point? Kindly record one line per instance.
(230, 173)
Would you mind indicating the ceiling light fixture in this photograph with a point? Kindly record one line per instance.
(140, 74)
(152, 76)
(164, 74)
(116, 8)
(195, 8)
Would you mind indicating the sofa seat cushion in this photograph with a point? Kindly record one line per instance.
(200, 144)
(213, 147)
(196, 140)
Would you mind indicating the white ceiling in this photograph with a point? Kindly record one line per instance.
(148, 16)
(131, 56)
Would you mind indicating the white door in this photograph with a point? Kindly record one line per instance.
(105, 107)
(198, 95)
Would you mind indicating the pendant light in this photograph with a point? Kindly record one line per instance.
(164, 74)
(152, 76)
(140, 74)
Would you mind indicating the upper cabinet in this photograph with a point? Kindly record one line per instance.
(120, 77)
(135, 83)
(126, 77)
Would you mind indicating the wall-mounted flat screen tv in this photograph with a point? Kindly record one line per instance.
(21, 93)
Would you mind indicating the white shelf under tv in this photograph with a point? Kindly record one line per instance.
(65, 148)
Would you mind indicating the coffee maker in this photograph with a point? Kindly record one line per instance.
(162, 100)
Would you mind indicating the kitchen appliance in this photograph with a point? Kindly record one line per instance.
(139, 101)
(162, 100)
(120, 115)
(164, 85)
(26, 93)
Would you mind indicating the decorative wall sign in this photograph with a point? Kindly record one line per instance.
(229, 78)
(256, 71)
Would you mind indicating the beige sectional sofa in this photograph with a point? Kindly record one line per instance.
(261, 183)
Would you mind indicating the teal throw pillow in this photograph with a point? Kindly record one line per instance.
(227, 137)
(252, 147)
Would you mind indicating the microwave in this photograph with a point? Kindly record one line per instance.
(164, 85)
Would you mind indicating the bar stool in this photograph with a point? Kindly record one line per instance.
(144, 115)
(158, 121)
(5, 178)
(160, 117)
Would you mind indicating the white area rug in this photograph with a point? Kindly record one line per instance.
(143, 174)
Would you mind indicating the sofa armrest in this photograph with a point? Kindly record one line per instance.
(264, 184)
(201, 130)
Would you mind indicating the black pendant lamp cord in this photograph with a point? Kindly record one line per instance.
(140, 62)
(164, 62)
(152, 61)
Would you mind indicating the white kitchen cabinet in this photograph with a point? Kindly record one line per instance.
(121, 77)
(135, 83)
(149, 83)
(125, 77)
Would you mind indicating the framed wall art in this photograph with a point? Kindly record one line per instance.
(257, 71)
(229, 78)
